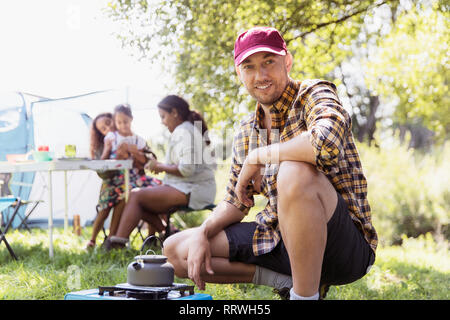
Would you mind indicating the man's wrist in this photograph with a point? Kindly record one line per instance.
(273, 154)
(203, 229)
(265, 155)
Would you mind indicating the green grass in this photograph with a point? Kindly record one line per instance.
(419, 269)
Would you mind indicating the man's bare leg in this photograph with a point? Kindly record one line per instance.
(305, 205)
(176, 249)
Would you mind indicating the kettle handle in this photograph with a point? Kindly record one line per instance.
(151, 238)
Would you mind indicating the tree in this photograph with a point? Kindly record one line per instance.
(194, 39)
(412, 67)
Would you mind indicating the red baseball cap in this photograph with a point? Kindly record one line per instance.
(258, 39)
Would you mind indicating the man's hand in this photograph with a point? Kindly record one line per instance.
(250, 171)
(199, 254)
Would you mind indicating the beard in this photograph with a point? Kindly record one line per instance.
(269, 96)
(266, 100)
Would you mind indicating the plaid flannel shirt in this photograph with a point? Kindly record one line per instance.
(310, 105)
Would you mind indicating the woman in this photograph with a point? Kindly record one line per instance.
(189, 181)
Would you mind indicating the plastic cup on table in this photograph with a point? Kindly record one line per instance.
(70, 150)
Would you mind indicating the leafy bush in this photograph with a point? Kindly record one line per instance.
(408, 191)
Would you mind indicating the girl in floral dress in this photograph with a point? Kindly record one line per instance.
(121, 143)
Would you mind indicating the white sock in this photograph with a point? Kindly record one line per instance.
(294, 296)
(271, 278)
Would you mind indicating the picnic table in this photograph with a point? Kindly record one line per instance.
(65, 165)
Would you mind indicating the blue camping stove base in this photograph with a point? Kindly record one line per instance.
(128, 292)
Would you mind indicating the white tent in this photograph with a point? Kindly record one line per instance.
(57, 122)
(66, 121)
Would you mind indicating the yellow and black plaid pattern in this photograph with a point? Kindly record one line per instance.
(311, 105)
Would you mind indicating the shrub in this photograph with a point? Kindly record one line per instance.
(408, 191)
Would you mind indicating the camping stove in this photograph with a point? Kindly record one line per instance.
(125, 291)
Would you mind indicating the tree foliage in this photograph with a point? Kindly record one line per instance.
(194, 40)
(412, 67)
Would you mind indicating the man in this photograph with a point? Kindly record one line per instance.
(297, 149)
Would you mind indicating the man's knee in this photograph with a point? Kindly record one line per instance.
(301, 181)
(296, 178)
(173, 250)
(170, 245)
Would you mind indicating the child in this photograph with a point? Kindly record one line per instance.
(121, 144)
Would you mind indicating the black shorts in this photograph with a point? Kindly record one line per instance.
(347, 254)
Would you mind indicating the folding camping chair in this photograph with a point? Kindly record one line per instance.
(6, 193)
(5, 203)
(16, 203)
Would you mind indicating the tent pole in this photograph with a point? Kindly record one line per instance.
(66, 204)
(50, 216)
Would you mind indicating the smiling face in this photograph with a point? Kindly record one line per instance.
(265, 76)
(104, 125)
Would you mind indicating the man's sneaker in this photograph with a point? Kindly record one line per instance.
(284, 293)
(323, 290)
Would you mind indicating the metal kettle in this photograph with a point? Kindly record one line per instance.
(150, 270)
